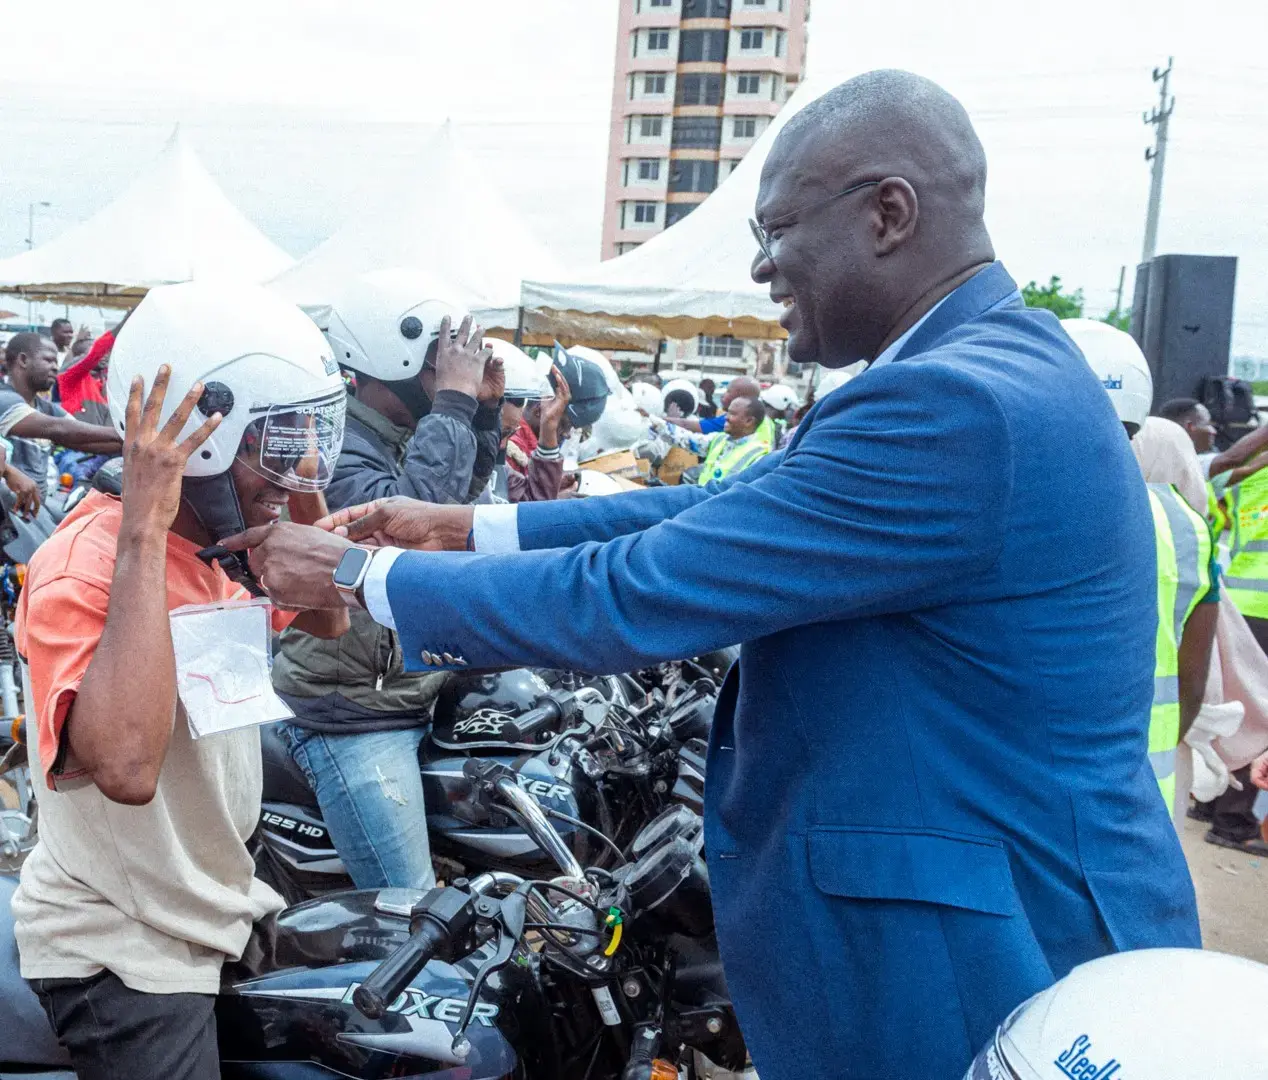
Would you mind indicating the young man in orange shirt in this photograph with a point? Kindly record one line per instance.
(141, 885)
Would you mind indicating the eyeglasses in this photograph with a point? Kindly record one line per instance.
(761, 233)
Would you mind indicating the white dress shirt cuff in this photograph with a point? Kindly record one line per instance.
(495, 530)
(374, 587)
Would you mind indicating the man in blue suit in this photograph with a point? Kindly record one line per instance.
(928, 791)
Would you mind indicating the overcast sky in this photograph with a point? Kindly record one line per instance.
(302, 108)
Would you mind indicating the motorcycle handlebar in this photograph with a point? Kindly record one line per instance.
(387, 982)
(528, 724)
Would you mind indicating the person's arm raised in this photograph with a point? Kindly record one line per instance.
(120, 723)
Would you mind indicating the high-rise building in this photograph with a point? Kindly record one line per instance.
(697, 81)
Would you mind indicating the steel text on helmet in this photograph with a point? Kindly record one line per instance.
(265, 368)
(1118, 363)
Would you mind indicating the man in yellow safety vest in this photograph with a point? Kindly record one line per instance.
(742, 443)
(1188, 577)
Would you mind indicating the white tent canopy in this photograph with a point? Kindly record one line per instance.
(448, 222)
(171, 224)
(693, 278)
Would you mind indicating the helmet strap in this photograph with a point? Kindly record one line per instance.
(412, 396)
(213, 500)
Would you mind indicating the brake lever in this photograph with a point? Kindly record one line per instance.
(510, 921)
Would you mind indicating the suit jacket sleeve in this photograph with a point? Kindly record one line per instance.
(891, 501)
(575, 521)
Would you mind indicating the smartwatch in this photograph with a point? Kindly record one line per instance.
(349, 575)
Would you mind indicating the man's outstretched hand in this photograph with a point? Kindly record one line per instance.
(405, 523)
(295, 564)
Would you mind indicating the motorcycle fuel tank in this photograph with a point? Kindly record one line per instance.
(285, 1012)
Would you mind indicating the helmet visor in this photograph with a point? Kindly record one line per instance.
(296, 446)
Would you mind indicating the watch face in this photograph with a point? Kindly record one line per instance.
(348, 572)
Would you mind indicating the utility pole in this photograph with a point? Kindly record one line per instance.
(1118, 302)
(1157, 156)
(30, 222)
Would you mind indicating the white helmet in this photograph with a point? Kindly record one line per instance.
(267, 370)
(1165, 1014)
(684, 392)
(834, 378)
(619, 428)
(382, 323)
(647, 397)
(525, 378)
(779, 397)
(1117, 361)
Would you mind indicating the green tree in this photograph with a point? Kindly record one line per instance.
(1120, 319)
(1063, 305)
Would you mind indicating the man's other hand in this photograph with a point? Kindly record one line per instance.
(461, 360)
(26, 492)
(406, 523)
(294, 564)
(1259, 772)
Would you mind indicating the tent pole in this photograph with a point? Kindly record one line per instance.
(519, 330)
(656, 359)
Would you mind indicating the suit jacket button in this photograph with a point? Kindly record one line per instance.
(460, 660)
(428, 659)
(448, 659)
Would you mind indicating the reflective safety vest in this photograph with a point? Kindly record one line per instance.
(727, 455)
(1215, 512)
(1247, 577)
(1184, 546)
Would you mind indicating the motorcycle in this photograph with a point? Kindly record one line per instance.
(587, 974)
(601, 757)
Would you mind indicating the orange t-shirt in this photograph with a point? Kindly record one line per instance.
(62, 611)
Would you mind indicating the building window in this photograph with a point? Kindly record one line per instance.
(745, 127)
(699, 90)
(697, 132)
(693, 175)
(752, 39)
(726, 347)
(657, 40)
(651, 127)
(645, 213)
(626, 247)
(675, 212)
(702, 45)
(755, 3)
(779, 43)
(653, 84)
(748, 84)
(660, 3)
(648, 170)
(706, 9)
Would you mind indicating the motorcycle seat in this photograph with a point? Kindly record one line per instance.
(284, 781)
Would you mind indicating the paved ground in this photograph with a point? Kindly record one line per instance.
(1232, 896)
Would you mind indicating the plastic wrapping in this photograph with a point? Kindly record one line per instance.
(223, 660)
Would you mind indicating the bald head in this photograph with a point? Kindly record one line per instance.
(851, 267)
(742, 386)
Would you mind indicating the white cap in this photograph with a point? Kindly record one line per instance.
(1160, 1014)
(1117, 361)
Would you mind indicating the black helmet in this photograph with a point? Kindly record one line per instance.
(588, 384)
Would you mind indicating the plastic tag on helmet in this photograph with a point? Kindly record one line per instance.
(296, 446)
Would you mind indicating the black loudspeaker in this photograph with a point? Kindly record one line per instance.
(1182, 318)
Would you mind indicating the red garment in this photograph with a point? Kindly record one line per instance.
(526, 441)
(77, 384)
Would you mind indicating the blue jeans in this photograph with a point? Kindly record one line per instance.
(371, 797)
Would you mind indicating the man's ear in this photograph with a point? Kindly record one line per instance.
(896, 211)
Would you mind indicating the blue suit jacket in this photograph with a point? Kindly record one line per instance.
(928, 790)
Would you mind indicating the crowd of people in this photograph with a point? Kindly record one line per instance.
(925, 760)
